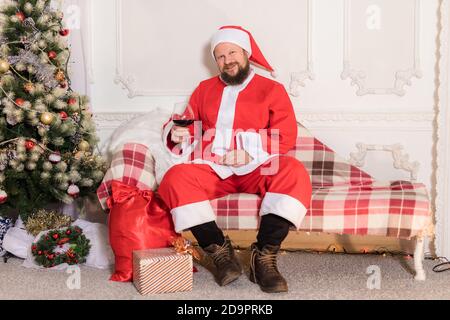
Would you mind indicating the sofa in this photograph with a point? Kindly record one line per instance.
(346, 200)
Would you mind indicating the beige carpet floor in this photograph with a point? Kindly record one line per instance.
(310, 276)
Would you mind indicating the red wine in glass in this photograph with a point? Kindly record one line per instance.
(183, 122)
(182, 114)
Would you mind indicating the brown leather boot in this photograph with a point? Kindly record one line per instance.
(226, 262)
(264, 271)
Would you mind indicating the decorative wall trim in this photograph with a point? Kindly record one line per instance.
(402, 77)
(89, 41)
(334, 116)
(128, 81)
(112, 120)
(401, 160)
(425, 117)
(441, 165)
(298, 78)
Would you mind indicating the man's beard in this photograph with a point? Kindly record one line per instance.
(240, 76)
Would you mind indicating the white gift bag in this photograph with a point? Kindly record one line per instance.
(17, 241)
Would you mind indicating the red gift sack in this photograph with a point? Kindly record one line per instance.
(138, 219)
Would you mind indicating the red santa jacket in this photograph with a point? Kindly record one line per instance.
(256, 116)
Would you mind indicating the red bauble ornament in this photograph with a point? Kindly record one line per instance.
(52, 54)
(21, 16)
(3, 196)
(55, 236)
(63, 85)
(40, 252)
(68, 231)
(63, 115)
(20, 102)
(71, 101)
(29, 144)
(64, 32)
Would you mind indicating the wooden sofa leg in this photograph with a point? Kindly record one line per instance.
(418, 259)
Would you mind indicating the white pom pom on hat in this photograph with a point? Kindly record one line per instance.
(244, 39)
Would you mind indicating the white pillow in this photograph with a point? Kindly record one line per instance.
(17, 241)
(145, 129)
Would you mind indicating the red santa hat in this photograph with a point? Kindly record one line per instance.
(244, 39)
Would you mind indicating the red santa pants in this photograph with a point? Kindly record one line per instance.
(284, 186)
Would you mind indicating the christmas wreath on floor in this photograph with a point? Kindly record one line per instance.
(67, 245)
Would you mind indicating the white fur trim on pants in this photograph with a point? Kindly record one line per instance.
(284, 206)
(193, 214)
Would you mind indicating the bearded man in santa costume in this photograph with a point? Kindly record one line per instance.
(245, 126)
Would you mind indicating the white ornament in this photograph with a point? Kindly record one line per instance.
(54, 157)
(31, 165)
(73, 190)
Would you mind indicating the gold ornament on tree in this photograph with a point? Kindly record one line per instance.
(4, 66)
(83, 145)
(60, 76)
(47, 118)
(79, 155)
(28, 87)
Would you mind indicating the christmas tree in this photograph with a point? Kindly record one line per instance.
(47, 135)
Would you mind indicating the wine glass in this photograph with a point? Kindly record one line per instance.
(182, 114)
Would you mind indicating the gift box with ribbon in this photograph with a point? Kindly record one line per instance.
(162, 270)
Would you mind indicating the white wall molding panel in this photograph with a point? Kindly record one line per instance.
(162, 48)
(381, 51)
(401, 159)
(298, 78)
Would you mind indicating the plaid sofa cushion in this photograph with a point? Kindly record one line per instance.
(346, 200)
(325, 167)
(395, 209)
(134, 165)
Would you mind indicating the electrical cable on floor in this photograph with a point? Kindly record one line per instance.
(443, 266)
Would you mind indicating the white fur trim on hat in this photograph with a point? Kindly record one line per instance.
(236, 36)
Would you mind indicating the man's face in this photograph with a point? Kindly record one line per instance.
(232, 62)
